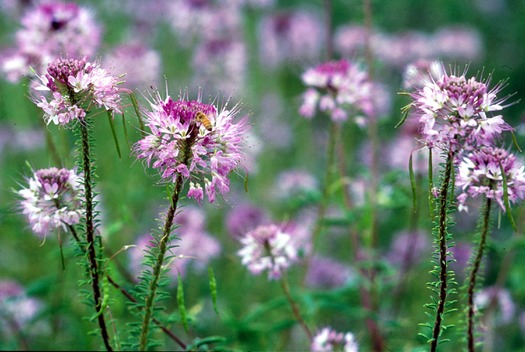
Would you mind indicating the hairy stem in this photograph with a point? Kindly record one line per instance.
(474, 274)
(442, 238)
(163, 247)
(90, 231)
(128, 295)
(295, 308)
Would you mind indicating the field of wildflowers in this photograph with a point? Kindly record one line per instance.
(262, 175)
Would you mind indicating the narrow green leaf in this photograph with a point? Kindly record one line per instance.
(506, 199)
(404, 111)
(246, 183)
(180, 303)
(515, 141)
(136, 107)
(112, 124)
(213, 289)
(412, 182)
(125, 130)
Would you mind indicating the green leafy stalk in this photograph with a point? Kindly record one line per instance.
(90, 230)
(163, 247)
(442, 246)
(295, 309)
(474, 274)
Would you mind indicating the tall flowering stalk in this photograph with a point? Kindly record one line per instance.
(77, 86)
(188, 141)
(268, 247)
(456, 116)
(490, 172)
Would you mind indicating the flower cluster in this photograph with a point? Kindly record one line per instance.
(454, 111)
(76, 85)
(334, 86)
(267, 247)
(49, 30)
(480, 172)
(329, 340)
(193, 140)
(51, 200)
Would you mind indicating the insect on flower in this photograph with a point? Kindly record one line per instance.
(203, 120)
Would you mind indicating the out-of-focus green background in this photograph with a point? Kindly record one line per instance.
(253, 311)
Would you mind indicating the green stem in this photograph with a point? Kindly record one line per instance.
(442, 238)
(474, 273)
(295, 309)
(163, 247)
(90, 231)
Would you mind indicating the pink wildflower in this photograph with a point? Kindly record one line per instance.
(267, 248)
(180, 144)
(335, 86)
(480, 174)
(49, 30)
(328, 340)
(76, 86)
(51, 200)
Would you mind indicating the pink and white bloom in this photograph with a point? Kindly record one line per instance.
(479, 173)
(334, 87)
(268, 247)
(51, 200)
(328, 340)
(456, 112)
(178, 144)
(49, 30)
(75, 86)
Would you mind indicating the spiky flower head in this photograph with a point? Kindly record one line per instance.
(480, 173)
(195, 141)
(267, 247)
(76, 85)
(336, 86)
(457, 112)
(51, 29)
(51, 200)
(328, 340)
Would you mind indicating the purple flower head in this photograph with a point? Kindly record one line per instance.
(327, 273)
(49, 30)
(267, 247)
(16, 307)
(408, 248)
(335, 86)
(455, 112)
(244, 217)
(76, 85)
(195, 141)
(220, 63)
(290, 36)
(140, 64)
(51, 200)
(327, 340)
(499, 296)
(480, 173)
